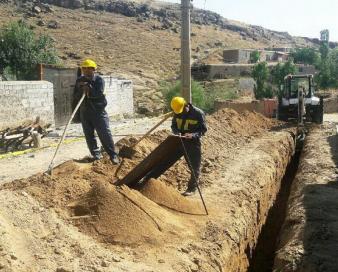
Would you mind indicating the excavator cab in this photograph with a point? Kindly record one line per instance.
(298, 101)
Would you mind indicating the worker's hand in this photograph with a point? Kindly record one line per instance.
(85, 87)
(86, 90)
(187, 136)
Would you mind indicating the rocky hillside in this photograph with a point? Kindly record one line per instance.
(137, 40)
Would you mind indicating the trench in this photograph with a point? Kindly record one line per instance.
(262, 256)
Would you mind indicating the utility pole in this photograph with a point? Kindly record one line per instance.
(185, 51)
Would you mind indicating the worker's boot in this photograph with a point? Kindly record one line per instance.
(97, 157)
(115, 159)
(190, 191)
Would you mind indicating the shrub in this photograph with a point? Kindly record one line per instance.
(201, 97)
(254, 56)
(21, 51)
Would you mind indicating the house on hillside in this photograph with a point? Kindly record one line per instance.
(242, 56)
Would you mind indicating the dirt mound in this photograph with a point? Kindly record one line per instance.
(169, 197)
(117, 218)
(82, 203)
(68, 182)
(121, 215)
(227, 131)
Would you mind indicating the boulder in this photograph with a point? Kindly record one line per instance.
(53, 24)
(36, 9)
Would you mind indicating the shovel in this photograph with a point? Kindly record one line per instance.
(50, 168)
(128, 151)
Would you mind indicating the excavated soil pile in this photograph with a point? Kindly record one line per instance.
(169, 197)
(113, 215)
(68, 181)
(228, 130)
(116, 215)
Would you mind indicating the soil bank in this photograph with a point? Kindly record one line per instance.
(309, 239)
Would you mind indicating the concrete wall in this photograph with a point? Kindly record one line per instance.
(221, 71)
(246, 85)
(231, 56)
(241, 56)
(226, 71)
(244, 56)
(25, 100)
(119, 94)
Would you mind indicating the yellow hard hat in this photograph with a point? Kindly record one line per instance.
(88, 63)
(177, 104)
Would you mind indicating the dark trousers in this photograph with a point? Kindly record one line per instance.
(97, 120)
(193, 159)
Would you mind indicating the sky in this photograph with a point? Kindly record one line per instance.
(298, 17)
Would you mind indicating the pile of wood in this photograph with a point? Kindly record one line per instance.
(24, 136)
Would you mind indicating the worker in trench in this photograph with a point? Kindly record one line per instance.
(92, 113)
(189, 124)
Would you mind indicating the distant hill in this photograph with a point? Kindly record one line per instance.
(138, 40)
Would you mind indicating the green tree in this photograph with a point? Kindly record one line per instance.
(261, 74)
(328, 67)
(21, 51)
(280, 71)
(333, 64)
(306, 56)
(324, 77)
(255, 56)
(328, 70)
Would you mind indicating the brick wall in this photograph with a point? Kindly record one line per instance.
(25, 100)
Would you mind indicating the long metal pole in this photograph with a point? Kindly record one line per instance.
(185, 51)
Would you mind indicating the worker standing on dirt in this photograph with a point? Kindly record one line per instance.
(92, 114)
(189, 124)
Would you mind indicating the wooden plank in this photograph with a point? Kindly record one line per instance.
(163, 151)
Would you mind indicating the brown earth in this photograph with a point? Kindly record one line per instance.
(309, 240)
(245, 157)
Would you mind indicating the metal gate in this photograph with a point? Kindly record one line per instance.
(63, 80)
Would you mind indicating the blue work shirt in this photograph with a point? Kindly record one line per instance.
(95, 100)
